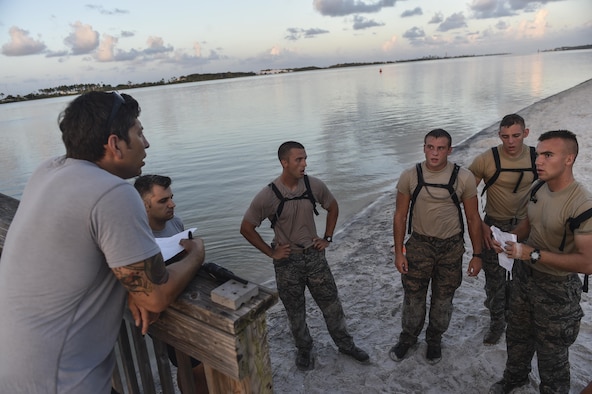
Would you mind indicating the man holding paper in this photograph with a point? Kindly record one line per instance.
(507, 171)
(545, 312)
(157, 195)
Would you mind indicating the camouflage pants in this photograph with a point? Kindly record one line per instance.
(439, 261)
(497, 285)
(544, 317)
(310, 269)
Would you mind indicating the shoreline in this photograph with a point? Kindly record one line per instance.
(371, 293)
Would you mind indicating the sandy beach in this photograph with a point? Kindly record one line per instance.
(371, 292)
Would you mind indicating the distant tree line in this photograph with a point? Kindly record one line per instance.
(67, 90)
(569, 48)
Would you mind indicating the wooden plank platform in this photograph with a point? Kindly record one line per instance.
(8, 206)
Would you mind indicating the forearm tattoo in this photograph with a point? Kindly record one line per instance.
(140, 277)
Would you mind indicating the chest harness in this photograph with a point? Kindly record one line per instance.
(499, 169)
(306, 195)
(449, 186)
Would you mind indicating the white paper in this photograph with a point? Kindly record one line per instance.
(501, 237)
(170, 247)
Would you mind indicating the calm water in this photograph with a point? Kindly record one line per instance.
(218, 140)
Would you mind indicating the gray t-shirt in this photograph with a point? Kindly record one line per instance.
(171, 227)
(61, 305)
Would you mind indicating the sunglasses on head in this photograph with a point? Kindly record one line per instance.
(118, 101)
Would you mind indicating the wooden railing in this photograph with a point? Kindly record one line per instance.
(232, 344)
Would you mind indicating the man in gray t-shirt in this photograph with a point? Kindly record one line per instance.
(157, 195)
(78, 244)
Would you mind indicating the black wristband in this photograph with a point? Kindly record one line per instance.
(480, 255)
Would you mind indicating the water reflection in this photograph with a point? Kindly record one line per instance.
(218, 140)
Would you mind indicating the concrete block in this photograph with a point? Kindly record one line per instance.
(233, 294)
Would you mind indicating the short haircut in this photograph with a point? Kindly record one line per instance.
(144, 183)
(511, 120)
(84, 123)
(438, 133)
(570, 139)
(284, 149)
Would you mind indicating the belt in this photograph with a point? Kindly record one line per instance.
(489, 221)
(426, 238)
(536, 274)
(308, 250)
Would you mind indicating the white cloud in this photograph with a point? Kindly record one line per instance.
(361, 23)
(413, 12)
(21, 44)
(104, 11)
(390, 44)
(295, 33)
(414, 33)
(348, 7)
(437, 18)
(454, 21)
(534, 28)
(156, 46)
(83, 39)
(106, 50)
(197, 49)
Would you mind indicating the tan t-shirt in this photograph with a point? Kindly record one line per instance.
(296, 224)
(502, 203)
(434, 213)
(548, 220)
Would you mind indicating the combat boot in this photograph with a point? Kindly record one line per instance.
(504, 387)
(304, 359)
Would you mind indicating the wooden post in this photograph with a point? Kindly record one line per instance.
(8, 206)
(232, 344)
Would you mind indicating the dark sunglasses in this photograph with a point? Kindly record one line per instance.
(118, 101)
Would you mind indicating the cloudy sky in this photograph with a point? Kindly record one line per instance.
(51, 43)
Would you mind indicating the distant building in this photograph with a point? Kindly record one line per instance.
(277, 71)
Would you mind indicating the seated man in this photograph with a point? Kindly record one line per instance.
(157, 195)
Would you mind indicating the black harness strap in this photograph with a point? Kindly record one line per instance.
(535, 189)
(572, 223)
(306, 195)
(449, 186)
(499, 169)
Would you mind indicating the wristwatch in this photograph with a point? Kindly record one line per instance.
(535, 256)
(328, 238)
